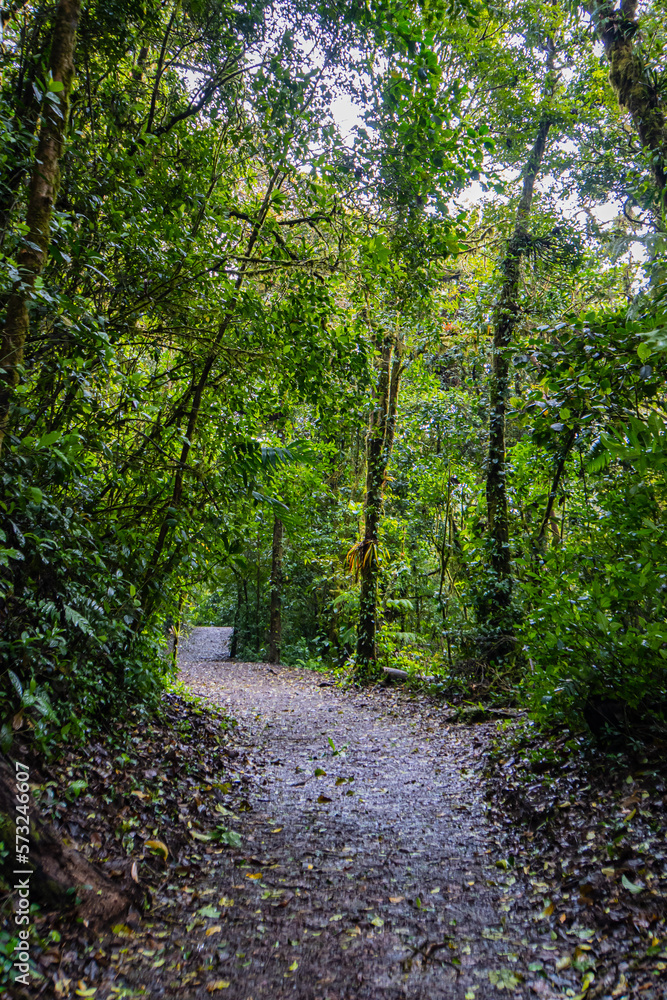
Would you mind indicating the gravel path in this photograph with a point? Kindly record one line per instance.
(206, 642)
(368, 869)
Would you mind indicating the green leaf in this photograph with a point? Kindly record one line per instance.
(228, 837)
(504, 979)
(631, 886)
(16, 683)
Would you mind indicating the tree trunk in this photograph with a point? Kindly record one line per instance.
(177, 632)
(618, 30)
(41, 199)
(197, 394)
(505, 318)
(555, 482)
(258, 591)
(233, 649)
(378, 451)
(275, 626)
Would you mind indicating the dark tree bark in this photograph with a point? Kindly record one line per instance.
(41, 199)
(618, 30)
(378, 451)
(275, 625)
(505, 318)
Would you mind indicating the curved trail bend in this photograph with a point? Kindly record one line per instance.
(367, 871)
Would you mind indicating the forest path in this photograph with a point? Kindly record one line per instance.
(368, 870)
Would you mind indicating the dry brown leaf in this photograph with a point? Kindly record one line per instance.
(159, 846)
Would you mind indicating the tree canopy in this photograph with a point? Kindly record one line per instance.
(340, 323)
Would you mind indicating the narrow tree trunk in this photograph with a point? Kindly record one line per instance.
(275, 626)
(237, 622)
(558, 472)
(258, 590)
(618, 30)
(41, 199)
(177, 632)
(378, 451)
(505, 319)
(198, 388)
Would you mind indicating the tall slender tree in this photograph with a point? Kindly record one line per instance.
(505, 319)
(379, 441)
(44, 186)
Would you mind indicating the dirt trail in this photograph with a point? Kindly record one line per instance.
(366, 870)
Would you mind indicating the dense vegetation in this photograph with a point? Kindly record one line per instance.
(388, 393)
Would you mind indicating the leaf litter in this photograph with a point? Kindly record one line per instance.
(394, 890)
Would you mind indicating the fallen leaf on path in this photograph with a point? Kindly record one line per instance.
(396, 899)
(219, 984)
(504, 979)
(122, 930)
(255, 875)
(229, 837)
(323, 798)
(631, 886)
(214, 930)
(159, 847)
(491, 934)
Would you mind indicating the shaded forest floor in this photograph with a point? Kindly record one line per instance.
(342, 844)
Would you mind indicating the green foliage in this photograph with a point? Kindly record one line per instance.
(224, 266)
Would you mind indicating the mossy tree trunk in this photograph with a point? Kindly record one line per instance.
(378, 451)
(619, 32)
(505, 318)
(44, 185)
